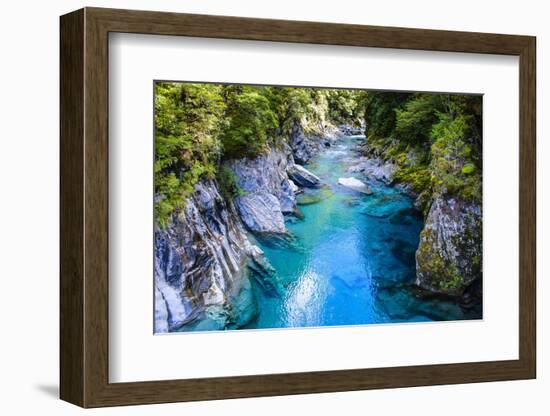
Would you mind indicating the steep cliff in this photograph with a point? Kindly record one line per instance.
(204, 257)
(268, 192)
(200, 258)
(429, 146)
(449, 256)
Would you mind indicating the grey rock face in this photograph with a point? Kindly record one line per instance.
(303, 177)
(261, 212)
(348, 130)
(449, 255)
(268, 191)
(199, 258)
(307, 145)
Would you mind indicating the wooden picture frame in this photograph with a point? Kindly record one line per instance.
(84, 207)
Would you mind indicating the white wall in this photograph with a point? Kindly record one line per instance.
(29, 207)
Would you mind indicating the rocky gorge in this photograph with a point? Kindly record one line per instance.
(316, 222)
(205, 255)
(209, 252)
(448, 259)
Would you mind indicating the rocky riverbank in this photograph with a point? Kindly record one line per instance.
(206, 256)
(203, 256)
(198, 257)
(449, 255)
(448, 259)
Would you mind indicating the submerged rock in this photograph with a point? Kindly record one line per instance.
(200, 256)
(298, 215)
(355, 184)
(314, 197)
(383, 206)
(244, 307)
(405, 216)
(265, 275)
(402, 304)
(449, 255)
(403, 251)
(303, 177)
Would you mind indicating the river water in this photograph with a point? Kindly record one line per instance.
(351, 260)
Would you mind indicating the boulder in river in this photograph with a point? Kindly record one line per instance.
(303, 177)
(355, 184)
(383, 206)
(313, 196)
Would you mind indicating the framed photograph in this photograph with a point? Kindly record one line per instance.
(256, 207)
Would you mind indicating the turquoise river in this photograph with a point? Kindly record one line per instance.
(350, 261)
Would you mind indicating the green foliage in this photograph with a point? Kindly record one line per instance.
(468, 169)
(250, 122)
(228, 183)
(414, 122)
(418, 176)
(305, 106)
(315, 108)
(434, 139)
(453, 164)
(186, 125)
(380, 113)
(346, 106)
(197, 126)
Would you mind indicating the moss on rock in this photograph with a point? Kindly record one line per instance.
(449, 255)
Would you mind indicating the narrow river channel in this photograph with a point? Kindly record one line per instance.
(352, 257)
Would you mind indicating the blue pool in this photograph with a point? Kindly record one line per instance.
(351, 259)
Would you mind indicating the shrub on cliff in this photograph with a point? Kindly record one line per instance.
(453, 163)
(249, 122)
(434, 139)
(186, 146)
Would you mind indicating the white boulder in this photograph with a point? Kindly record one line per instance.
(355, 184)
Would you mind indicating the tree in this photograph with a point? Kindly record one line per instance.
(187, 122)
(250, 122)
